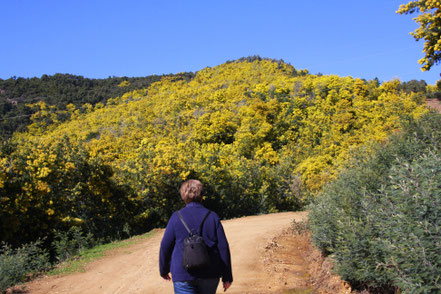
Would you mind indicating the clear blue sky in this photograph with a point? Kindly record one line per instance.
(98, 39)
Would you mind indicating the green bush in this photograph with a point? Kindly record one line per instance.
(381, 218)
(17, 264)
(70, 243)
(299, 227)
(410, 208)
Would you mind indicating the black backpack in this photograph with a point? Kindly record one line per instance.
(195, 253)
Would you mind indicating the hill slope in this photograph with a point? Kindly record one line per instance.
(60, 90)
(260, 134)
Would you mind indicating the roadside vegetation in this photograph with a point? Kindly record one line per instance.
(74, 250)
(380, 220)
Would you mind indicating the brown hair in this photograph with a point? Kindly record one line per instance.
(191, 191)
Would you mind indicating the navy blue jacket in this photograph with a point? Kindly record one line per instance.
(170, 254)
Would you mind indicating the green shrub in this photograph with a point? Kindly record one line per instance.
(410, 209)
(17, 264)
(381, 218)
(70, 243)
(299, 227)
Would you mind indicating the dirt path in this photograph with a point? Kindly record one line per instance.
(434, 104)
(135, 269)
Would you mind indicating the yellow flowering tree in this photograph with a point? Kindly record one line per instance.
(48, 186)
(429, 20)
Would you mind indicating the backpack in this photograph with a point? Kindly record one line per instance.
(195, 253)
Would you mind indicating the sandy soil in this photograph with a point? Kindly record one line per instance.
(256, 268)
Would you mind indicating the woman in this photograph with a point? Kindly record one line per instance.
(170, 255)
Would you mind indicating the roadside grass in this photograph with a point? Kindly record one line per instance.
(78, 263)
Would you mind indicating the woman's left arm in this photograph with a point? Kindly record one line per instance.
(224, 251)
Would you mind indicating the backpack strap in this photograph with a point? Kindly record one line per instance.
(184, 223)
(202, 224)
(186, 226)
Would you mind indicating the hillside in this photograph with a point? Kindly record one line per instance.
(261, 135)
(18, 94)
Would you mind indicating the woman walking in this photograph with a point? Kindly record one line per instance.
(196, 217)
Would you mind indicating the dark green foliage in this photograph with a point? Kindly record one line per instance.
(254, 58)
(17, 264)
(418, 89)
(437, 93)
(381, 218)
(70, 243)
(60, 90)
(413, 86)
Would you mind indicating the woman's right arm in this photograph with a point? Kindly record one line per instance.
(166, 249)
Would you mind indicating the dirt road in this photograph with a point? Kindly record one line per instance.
(135, 269)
